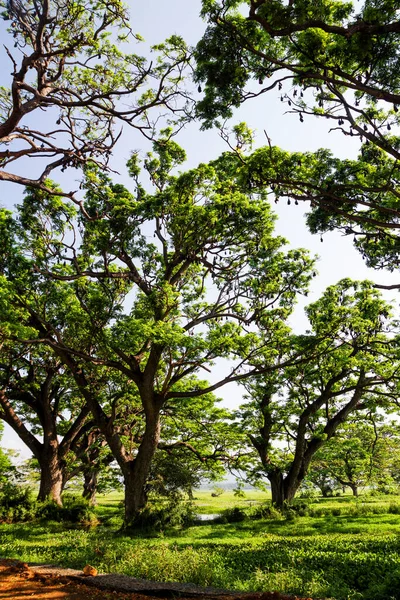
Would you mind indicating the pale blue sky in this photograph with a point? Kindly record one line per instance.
(157, 19)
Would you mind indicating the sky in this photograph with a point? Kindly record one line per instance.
(155, 20)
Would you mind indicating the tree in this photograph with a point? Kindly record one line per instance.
(361, 454)
(112, 304)
(93, 459)
(199, 442)
(331, 60)
(40, 402)
(293, 413)
(67, 62)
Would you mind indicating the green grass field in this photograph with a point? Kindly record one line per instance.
(348, 549)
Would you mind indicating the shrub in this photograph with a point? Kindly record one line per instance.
(298, 507)
(234, 515)
(217, 491)
(308, 493)
(267, 511)
(74, 510)
(394, 509)
(174, 512)
(17, 503)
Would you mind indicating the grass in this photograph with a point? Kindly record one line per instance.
(207, 504)
(352, 555)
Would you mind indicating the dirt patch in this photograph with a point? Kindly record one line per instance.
(19, 581)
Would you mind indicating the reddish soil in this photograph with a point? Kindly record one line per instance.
(19, 582)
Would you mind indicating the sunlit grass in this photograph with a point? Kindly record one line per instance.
(352, 555)
(207, 504)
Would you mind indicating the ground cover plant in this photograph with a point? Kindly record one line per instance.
(348, 550)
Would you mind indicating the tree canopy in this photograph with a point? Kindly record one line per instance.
(120, 307)
(336, 61)
(292, 413)
(67, 61)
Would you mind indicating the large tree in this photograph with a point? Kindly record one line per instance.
(134, 273)
(330, 60)
(67, 62)
(291, 414)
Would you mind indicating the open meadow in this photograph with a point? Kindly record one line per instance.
(343, 548)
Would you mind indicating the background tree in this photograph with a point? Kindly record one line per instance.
(292, 414)
(362, 453)
(337, 61)
(200, 441)
(66, 60)
(7, 469)
(170, 326)
(40, 402)
(91, 458)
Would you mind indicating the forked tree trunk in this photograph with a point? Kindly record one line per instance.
(135, 470)
(281, 490)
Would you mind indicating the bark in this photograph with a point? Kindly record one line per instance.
(282, 490)
(90, 486)
(137, 471)
(354, 488)
(277, 489)
(51, 477)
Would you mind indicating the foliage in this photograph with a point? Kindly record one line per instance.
(7, 469)
(234, 515)
(333, 60)
(16, 503)
(68, 61)
(326, 556)
(362, 453)
(291, 414)
(73, 510)
(174, 510)
(134, 319)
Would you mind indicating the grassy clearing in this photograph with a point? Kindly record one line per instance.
(207, 504)
(350, 556)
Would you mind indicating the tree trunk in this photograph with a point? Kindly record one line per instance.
(90, 486)
(135, 498)
(51, 479)
(354, 488)
(277, 488)
(136, 472)
(282, 490)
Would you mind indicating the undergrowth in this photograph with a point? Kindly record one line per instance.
(351, 551)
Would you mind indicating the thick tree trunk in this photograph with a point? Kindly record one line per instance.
(354, 489)
(135, 498)
(277, 489)
(136, 472)
(282, 490)
(90, 486)
(51, 479)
